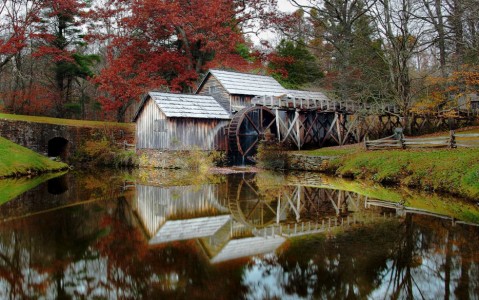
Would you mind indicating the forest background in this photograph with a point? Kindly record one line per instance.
(93, 59)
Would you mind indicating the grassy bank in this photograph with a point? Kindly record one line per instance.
(454, 171)
(16, 161)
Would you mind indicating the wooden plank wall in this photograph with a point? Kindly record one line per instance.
(155, 205)
(220, 94)
(205, 134)
(147, 137)
(178, 133)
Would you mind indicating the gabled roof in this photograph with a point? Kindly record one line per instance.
(186, 106)
(248, 247)
(178, 230)
(306, 95)
(246, 84)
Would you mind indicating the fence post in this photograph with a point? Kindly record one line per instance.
(399, 135)
(452, 139)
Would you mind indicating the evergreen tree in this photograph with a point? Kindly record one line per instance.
(294, 65)
(60, 39)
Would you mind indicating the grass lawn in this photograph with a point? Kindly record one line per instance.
(454, 171)
(67, 122)
(17, 160)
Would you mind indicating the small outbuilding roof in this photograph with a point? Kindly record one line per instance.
(186, 106)
(246, 84)
(306, 95)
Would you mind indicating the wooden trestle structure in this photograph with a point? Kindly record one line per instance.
(307, 122)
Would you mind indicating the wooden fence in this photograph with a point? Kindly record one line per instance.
(399, 141)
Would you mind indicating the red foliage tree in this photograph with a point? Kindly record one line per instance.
(166, 45)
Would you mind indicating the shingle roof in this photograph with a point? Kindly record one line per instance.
(306, 95)
(248, 84)
(189, 106)
(178, 230)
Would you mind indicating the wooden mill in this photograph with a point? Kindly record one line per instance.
(262, 109)
(306, 119)
(235, 111)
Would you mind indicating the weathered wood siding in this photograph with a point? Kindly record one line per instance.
(156, 205)
(206, 134)
(239, 102)
(147, 136)
(219, 92)
(155, 131)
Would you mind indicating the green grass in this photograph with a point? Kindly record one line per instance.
(454, 171)
(67, 122)
(17, 160)
(13, 187)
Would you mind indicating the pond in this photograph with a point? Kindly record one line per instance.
(161, 235)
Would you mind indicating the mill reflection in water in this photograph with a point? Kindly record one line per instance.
(237, 219)
(244, 237)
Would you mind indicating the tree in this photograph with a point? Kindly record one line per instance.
(296, 66)
(340, 35)
(166, 45)
(16, 19)
(402, 36)
(337, 21)
(59, 40)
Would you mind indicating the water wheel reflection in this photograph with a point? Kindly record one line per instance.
(247, 206)
(292, 205)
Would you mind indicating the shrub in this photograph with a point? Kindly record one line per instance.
(271, 155)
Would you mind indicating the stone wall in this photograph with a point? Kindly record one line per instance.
(303, 162)
(36, 136)
(170, 159)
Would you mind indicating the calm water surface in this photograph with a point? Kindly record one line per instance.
(170, 235)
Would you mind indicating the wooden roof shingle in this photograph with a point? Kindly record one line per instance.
(189, 106)
(237, 83)
(185, 106)
(306, 95)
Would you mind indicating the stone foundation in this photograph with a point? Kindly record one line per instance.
(170, 159)
(302, 162)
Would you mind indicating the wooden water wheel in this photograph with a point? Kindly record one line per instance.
(248, 207)
(248, 127)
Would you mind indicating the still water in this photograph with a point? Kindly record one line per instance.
(171, 235)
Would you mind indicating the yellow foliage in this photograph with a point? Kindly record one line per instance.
(95, 148)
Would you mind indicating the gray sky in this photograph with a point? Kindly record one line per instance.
(283, 5)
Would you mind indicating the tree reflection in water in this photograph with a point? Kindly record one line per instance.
(392, 260)
(99, 249)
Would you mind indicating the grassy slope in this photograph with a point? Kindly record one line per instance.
(453, 171)
(15, 159)
(67, 122)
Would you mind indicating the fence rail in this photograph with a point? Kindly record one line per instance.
(398, 141)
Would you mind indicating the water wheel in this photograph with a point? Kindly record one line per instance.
(248, 127)
(248, 207)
